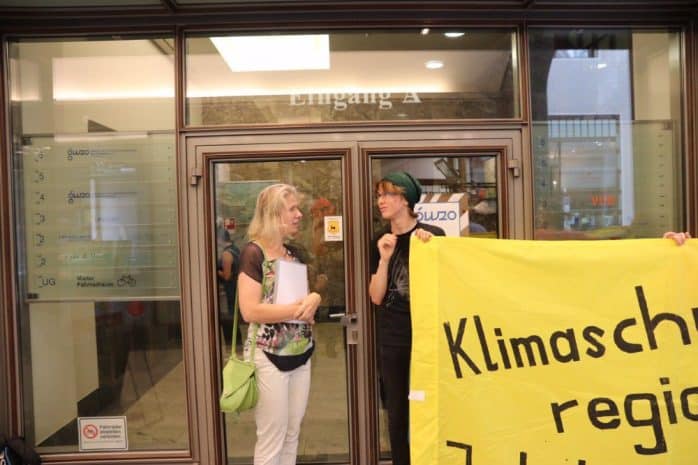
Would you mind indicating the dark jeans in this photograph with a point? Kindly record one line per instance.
(395, 375)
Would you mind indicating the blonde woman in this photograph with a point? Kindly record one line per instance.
(284, 340)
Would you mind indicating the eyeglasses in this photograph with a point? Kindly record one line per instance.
(385, 194)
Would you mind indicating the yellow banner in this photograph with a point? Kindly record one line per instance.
(554, 353)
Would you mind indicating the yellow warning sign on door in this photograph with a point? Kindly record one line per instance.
(333, 228)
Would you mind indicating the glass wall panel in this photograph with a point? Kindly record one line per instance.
(606, 133)
(351, 76)
(95, 195)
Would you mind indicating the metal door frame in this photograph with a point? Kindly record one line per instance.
(355, 148)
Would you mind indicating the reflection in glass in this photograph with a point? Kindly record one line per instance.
(96, 202)
(325, 430)
(352, 76)
(274, 53)
(459, 194)
(606, 134)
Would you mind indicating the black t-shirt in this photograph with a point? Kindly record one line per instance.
(393, 317)
(252, 257)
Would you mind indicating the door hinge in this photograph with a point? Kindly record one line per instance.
(515, 166)
(195, 175)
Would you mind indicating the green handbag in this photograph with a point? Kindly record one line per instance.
(239, 379)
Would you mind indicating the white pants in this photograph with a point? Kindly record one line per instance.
(283, 396)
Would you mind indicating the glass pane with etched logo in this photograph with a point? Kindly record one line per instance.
(96, 221)
(352, 76)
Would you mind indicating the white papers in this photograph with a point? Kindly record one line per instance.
(290, 283)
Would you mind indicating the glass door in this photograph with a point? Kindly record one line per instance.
(475, 175)
(461, 193)
(236, 183)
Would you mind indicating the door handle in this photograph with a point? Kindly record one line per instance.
(350, 321)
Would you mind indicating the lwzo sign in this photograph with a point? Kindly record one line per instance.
(447, 211)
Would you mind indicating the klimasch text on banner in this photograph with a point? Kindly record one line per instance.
(547, 353)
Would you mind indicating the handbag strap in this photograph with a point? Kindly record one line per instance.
(236, 310)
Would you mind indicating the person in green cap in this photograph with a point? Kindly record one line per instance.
(389, 288)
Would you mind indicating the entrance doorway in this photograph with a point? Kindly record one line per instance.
(335, 174)
(325, 434)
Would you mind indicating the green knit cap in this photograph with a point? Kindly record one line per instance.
(412, 188)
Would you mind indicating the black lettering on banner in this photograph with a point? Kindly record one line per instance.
(489, 364)
(654, 421)
(669, 402)
(528, 343)
(636, 409)
(651, 323)
(644, 402)
(621, 343)
(685, 405)
(523, 459)
(502, 348)
(532, 350)
(523, 456)
(598, 349)
(558, 409)
(567, 335)
(466, 447)
(595, 413)
(456, 349)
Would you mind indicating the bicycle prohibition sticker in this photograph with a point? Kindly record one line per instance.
(102, 433)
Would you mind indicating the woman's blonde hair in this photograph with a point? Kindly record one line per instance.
(266, 223)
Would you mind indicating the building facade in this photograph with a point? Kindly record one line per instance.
(136, 135)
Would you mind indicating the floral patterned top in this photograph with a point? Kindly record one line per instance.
(276, 339)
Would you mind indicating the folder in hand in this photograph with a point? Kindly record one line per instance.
(290, 283)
